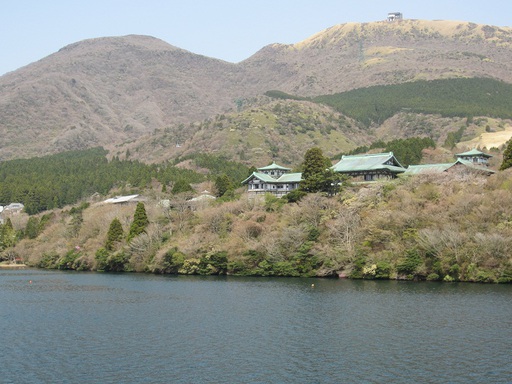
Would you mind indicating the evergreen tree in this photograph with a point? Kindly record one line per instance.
(181, 186)
(222, 185)
(315, 171)
(507, 157)
(32, 227)
(7, 235)
(140, 221)
(115, 233)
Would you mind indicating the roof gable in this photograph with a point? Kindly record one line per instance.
(285, 178)
(368, 162)
(474, 152)
(274, 166)
(427, 168)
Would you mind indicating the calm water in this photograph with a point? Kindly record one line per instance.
(134, 328)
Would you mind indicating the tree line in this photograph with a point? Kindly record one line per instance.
(407, 151)
(447, 97)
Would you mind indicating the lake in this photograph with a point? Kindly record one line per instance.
(72, 327)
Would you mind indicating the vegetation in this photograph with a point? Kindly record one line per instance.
(317, 175)
(218, 166)
(54, 181)
(428, 227)
(407, 151)
(507, 157)
(444, 227)
(450, 97)
(139, 223)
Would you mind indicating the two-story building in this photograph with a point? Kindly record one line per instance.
(274, 179)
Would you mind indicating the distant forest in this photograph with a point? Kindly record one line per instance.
(464, 97)
(57, 180)
(407, 151)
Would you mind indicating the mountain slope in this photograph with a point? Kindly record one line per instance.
(355, 55)
(108, 91)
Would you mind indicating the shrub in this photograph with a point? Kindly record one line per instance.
(189, 267)
(383, 270)
(170, 262)
(68, 260)
(411, 262)
(117, 262)
(433, 277)
(214, 264)
(101, 257)
(294, 196)
(48, 260)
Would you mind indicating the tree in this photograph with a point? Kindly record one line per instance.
(115, 233)
(32, 227)
(507, 157)
(181, 186)
(222, 185)
(8, 235)
(316, 175)
(140, 221)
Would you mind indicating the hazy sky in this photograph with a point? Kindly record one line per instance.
(225, 29)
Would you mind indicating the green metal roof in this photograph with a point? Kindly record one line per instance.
(290, 178)
(286, 178)
(472, 165)
(438, 168)
(473, 152)
(368, 162)
(427, 168)
(274, 166)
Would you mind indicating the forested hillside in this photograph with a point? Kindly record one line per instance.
(463, 97)
(55, 181)
(446, 227)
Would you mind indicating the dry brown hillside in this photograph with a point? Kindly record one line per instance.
(113, 90)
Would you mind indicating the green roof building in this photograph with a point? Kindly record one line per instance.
(448, 167)
(475, 156)
(274, 179)
(370, 167)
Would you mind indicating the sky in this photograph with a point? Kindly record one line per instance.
(224, 29)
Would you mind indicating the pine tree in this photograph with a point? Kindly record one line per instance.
(222, 184)
(115, 233)
(32, 227)
(507, 157)
(315, 171)
(140, 221)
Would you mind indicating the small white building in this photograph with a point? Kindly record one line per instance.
(392, 16)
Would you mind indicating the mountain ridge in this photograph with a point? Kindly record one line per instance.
(112, 90)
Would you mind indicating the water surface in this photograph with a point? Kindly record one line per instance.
(60, 327)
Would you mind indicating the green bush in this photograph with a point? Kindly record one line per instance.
(101, 257)
(410, 264)
(383, 270)
(67, 261)
(433, 277)
(171, 262)
(48, 260)
(214, 264)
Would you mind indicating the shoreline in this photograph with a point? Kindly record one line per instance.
(13, 266)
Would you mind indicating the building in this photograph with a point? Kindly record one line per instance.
(369, 167)
(123, 199)
(475, 156)
(458, 165)
(274, 179)
(392, 16)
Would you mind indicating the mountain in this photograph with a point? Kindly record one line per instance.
(114, 90)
